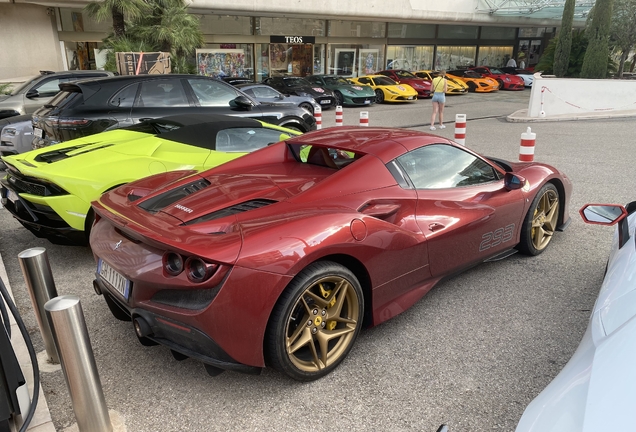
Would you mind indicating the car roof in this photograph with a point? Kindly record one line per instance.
(196, 129)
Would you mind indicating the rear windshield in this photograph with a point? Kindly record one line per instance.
(63, 98)
(323, 156)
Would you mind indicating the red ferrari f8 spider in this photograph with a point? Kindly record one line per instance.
(280, 257)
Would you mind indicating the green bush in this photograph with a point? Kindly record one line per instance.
(5, 88)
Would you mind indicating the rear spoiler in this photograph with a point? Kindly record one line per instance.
(74, 87)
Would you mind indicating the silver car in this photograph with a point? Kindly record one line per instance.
(16, 135)
(27, 97)
(268, 95)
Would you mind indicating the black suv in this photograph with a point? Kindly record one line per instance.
(92, 106)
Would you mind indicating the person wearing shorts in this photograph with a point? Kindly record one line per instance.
(439, 87)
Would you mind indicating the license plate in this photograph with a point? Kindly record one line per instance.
(325, 102)
(37, 132)
(411, 97)
(114, 278)
(12, 196)
(367, 101)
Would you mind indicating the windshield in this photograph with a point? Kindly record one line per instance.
(336, 80)
(295, 82)
(496, 71)
(384, 81)
(23, 86)
(404, 74)
(472, 74)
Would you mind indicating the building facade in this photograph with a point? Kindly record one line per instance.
(260, 38)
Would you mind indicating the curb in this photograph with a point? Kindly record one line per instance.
(521, 116)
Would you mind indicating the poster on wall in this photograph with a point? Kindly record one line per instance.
(345, 62)
(368, 62)
(220, 63)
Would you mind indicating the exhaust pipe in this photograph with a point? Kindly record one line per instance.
(142, 328)
(96, 287)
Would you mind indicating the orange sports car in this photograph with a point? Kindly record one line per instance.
(476, 82)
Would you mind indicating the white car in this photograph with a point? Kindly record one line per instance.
(526, 75)
(596, 390)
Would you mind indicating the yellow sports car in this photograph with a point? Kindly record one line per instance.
(453, 85)
(476, 82)
(387, 90)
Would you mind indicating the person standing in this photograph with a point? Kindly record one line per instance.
(511, 63)
(439, 86)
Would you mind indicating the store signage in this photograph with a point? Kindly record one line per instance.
(293, 39)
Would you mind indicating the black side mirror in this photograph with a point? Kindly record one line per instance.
(32, 94)
(514, 181)
(241, 102)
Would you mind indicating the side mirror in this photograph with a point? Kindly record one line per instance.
(603, 214)
(241, 102)
(608, 215)
(32, 94)
(281, 96)
(514, 181)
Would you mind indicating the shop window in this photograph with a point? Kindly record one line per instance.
(279, 59)
(454, 57)
(372, 29)
(494, 56)
(221, 60)
(411, 58)
(502, 33)
(457, 32)
(290, 26)
(226, 24)
(401, 30)
(531, 32)
(73, 20)
(355, 60)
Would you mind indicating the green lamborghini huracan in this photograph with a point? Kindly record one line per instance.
(49, 190)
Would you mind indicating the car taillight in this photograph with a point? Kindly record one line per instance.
(198, 270)
(172, 263)
(72, 122)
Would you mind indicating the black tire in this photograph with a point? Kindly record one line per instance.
(309, 107)
(339, 98)
(501, 84)
(541, 222)
(379, 96)
(88, 224)
(301, 321)
(472, 87)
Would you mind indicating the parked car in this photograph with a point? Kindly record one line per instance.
(38, 90)
(475, 81)
(596, 388)
(91, 106)
(401, 76)
(16, 135)
(49, 190)
(506, 81)
(266, 94)
(453, 85)
(301, 87)
(345, 92)
(526, 75)
(237, 80)
(280, 257)
(386, 90)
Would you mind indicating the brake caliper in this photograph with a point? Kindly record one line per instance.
(326, 293)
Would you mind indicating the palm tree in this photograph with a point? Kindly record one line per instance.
(117, 10)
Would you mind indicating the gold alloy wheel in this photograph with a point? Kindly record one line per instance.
(322, 325)
(544, 220)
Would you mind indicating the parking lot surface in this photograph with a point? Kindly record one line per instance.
(472, 353)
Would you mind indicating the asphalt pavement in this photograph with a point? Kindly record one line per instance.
(472, 353)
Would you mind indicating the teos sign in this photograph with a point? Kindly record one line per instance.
(293, 39)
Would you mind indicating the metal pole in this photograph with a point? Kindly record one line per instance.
(78, 363)
(36, 269)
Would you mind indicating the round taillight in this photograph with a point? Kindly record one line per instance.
(172, 263)
(198, 270)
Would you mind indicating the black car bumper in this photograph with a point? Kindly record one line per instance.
(177, 336)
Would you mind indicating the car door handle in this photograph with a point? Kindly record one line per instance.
(435, 226)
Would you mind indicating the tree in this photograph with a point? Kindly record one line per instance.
(575, 62)
(623, 29)
(117, 10)
(564, 41)
(597, 54)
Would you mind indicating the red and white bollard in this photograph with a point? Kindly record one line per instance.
(460, 129)
(526, 150)
(364, 118)
(318, 117)
(338, 115)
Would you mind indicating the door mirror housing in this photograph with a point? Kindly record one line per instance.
(241, 102)
(514, 181)
(603, 214)
(32, 94)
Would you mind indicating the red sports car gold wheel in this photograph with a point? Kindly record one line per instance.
(541, 221)
(316, 321)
